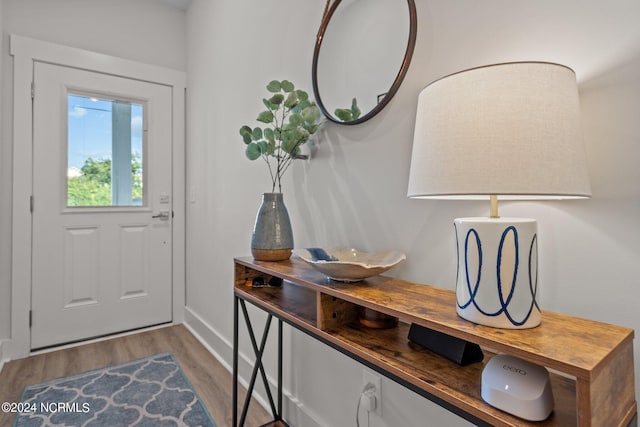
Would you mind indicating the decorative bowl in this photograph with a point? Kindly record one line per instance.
(348, 264)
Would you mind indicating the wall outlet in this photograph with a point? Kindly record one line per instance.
(375, 380)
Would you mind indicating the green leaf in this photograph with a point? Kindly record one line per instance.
(287, 135)
(311, 114)
(289, 145)
(263, 146)
(304, 104)
(245, 131)
(287, 86)
(269, 105)
(292, 100)
(253, 151)
(292, 138)
(274, 86)
(271, 148)
(302, 95)
(268, 134)
(311, 128)
(344, 114)
(256, 134)
(265, 117)
(349, 114)
(355, 110)
(276, 99)
(295, 119)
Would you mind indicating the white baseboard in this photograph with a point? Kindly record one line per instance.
(217, 345)
(222, 350)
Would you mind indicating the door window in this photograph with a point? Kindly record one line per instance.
(105, 146)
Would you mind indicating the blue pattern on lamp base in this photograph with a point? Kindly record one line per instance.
(497, 277)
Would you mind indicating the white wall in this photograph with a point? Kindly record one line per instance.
(142, 30)
(354, 191)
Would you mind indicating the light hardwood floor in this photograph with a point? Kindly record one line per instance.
(210, 379)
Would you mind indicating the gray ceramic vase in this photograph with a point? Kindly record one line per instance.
(272, 238)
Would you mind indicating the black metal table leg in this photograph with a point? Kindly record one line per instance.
(235, 362)
(279, 369)
(258, 366)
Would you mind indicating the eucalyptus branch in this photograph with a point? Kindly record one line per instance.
(289, 160)
(273, 179)
(285, 104)
(286, 166)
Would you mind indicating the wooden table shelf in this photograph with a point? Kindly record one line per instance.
(591, 362)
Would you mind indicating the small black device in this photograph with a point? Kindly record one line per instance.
(455, 349)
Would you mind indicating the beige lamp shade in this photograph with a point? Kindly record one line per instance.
(511, 130)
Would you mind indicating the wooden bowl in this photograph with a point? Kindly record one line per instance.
(376, 320)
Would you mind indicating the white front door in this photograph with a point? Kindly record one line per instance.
(102, 205)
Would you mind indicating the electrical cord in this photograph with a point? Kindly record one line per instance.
(368, 391)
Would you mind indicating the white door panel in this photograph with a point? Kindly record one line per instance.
(98, 269)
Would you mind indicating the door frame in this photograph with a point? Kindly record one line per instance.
(25, 52)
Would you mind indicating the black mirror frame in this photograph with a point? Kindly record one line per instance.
(411, 44)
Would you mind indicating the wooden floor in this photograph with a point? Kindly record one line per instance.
(210, 379)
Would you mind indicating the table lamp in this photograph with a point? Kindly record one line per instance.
(508, 131)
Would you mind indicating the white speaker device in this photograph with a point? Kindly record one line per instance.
(517, 387)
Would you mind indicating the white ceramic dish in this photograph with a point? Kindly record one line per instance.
(348, 264)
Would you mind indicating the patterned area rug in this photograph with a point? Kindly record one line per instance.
(146, 392)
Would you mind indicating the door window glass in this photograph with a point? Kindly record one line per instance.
(105, 146)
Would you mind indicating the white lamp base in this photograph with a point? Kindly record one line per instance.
(497, 279)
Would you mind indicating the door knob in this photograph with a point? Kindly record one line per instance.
(164, 215)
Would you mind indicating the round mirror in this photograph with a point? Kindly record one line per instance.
(362, 53)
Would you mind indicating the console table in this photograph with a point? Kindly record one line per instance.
(591, 363)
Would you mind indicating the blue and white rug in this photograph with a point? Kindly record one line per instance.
(146, 392)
